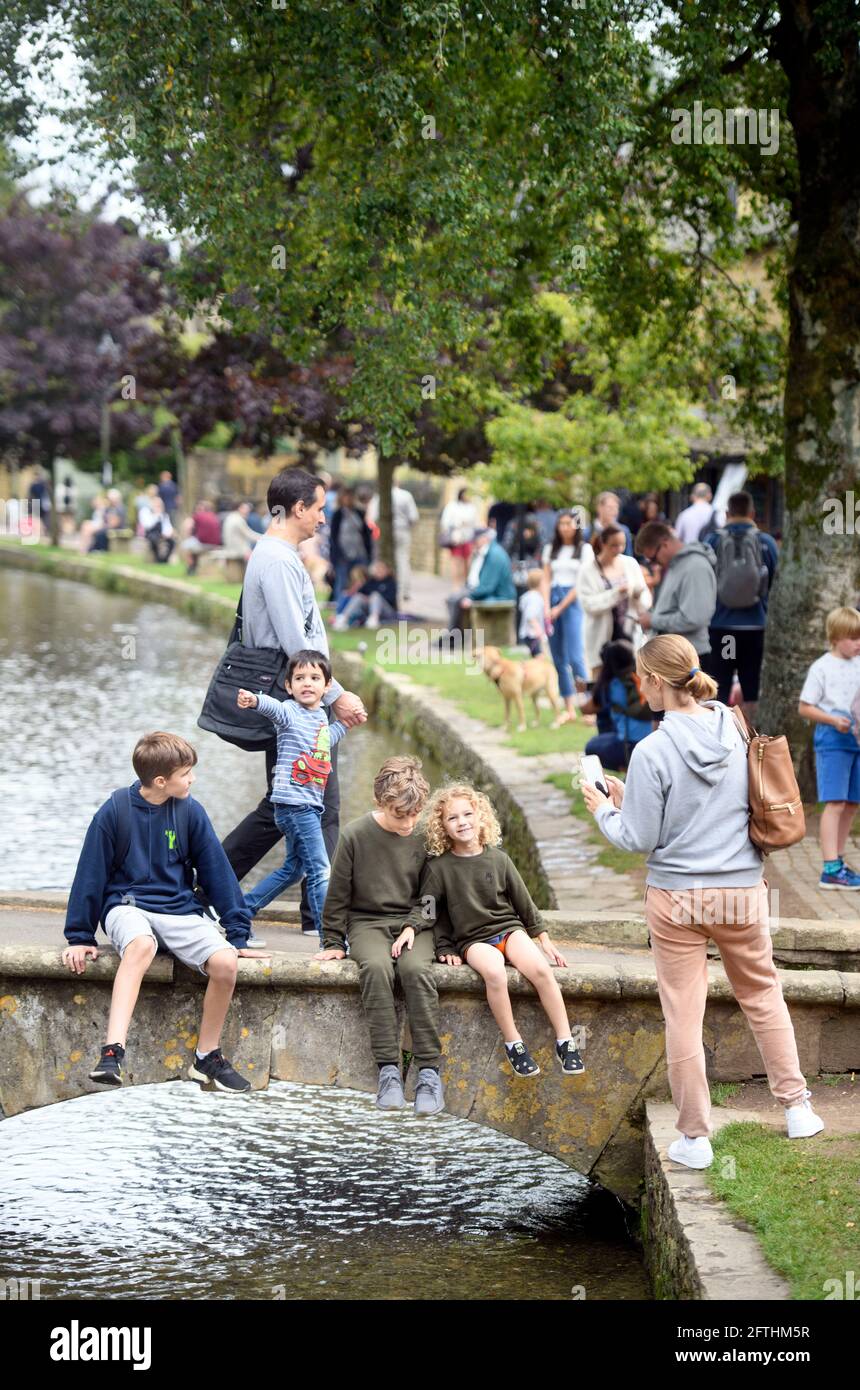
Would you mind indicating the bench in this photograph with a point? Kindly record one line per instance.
(121, 541)
(218, 564)
(494, 620)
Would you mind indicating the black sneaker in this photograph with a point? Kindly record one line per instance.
(215, 1070)
(109, 1069)
(569, 1059)
(521, 1060)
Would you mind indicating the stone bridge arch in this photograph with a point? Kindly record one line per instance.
(295, 1019)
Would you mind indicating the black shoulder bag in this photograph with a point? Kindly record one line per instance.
(244, 668)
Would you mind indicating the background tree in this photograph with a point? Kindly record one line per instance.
(419, 169)
(82, 323)
(412, 168)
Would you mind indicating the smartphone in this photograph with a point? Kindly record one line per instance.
(592, 772)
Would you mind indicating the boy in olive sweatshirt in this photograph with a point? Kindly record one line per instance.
(375, 875)
(493, 920)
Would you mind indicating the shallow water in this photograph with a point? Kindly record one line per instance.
(299, 1192)
(82, 675)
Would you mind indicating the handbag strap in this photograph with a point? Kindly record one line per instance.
(236, 631)
(747, 732)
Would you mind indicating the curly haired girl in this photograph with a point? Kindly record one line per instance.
(492, 917)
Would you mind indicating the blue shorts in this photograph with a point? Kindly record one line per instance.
(837, 764)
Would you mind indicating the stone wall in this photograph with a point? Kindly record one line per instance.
(297, 1019)
(694, 1247)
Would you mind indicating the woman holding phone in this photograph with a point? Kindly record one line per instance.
(687, 780)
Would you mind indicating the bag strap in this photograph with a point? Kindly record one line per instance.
(236, 631)
(747, 732)
(121, 799)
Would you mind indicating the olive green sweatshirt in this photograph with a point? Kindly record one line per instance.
(482, 895)
(375, 877)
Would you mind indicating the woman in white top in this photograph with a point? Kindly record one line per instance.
(457, 526)
(563, 560)
(613, 593)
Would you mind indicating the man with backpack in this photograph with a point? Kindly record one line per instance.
(746, 564)
(144, 851)
(687, 595)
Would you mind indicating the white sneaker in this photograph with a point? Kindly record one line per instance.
(340, 623)
(693, 1153)
(802, 1120)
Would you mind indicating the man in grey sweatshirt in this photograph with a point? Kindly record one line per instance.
(279, 609)
(687, 596)
(686, 805)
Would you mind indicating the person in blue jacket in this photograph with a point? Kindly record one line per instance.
(490, 576)
(617, 698)
(135, 876)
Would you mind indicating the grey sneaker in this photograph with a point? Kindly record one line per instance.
(389, 1093)
(429, 1096)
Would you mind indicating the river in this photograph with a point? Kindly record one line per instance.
(298, 1192)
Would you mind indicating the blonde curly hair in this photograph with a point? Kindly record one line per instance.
(437, 837)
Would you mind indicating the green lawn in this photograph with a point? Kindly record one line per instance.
(802, 1199)
(475, 695)
(104, 559)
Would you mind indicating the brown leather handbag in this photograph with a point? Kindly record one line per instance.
(776, 810)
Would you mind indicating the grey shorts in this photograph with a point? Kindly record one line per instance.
(192, 938)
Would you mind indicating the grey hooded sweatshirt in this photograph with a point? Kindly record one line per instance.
(686, 804)
(687, 595)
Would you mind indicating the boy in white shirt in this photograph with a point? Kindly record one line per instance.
(532, 629)
(830, 687)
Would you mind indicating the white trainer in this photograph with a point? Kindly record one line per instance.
(802, 1120)
(693, 1153)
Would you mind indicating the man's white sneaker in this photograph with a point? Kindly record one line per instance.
(802, 1120)
(693, 1153)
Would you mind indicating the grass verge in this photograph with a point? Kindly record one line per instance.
(465, 685)
(802, 1199)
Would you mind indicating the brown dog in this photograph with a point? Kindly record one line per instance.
(518, 678)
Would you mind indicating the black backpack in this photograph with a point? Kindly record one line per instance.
(741, 571)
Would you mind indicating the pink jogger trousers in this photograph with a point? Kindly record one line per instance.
(680, 923)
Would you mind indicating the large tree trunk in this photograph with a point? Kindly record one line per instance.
(819, 566)
(385, 475)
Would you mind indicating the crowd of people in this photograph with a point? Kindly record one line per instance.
(612, 580)
(399, 895)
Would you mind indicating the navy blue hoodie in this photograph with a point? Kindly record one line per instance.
(153, 874)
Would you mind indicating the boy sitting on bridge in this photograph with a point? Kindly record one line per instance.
(373, 887)
(493, 921)
(135, 876)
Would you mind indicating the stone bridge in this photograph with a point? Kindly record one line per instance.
(295, 1019)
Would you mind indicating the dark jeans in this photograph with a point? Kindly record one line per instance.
(162, 547)
(748, 645)
(305, 857)
(257, 833)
